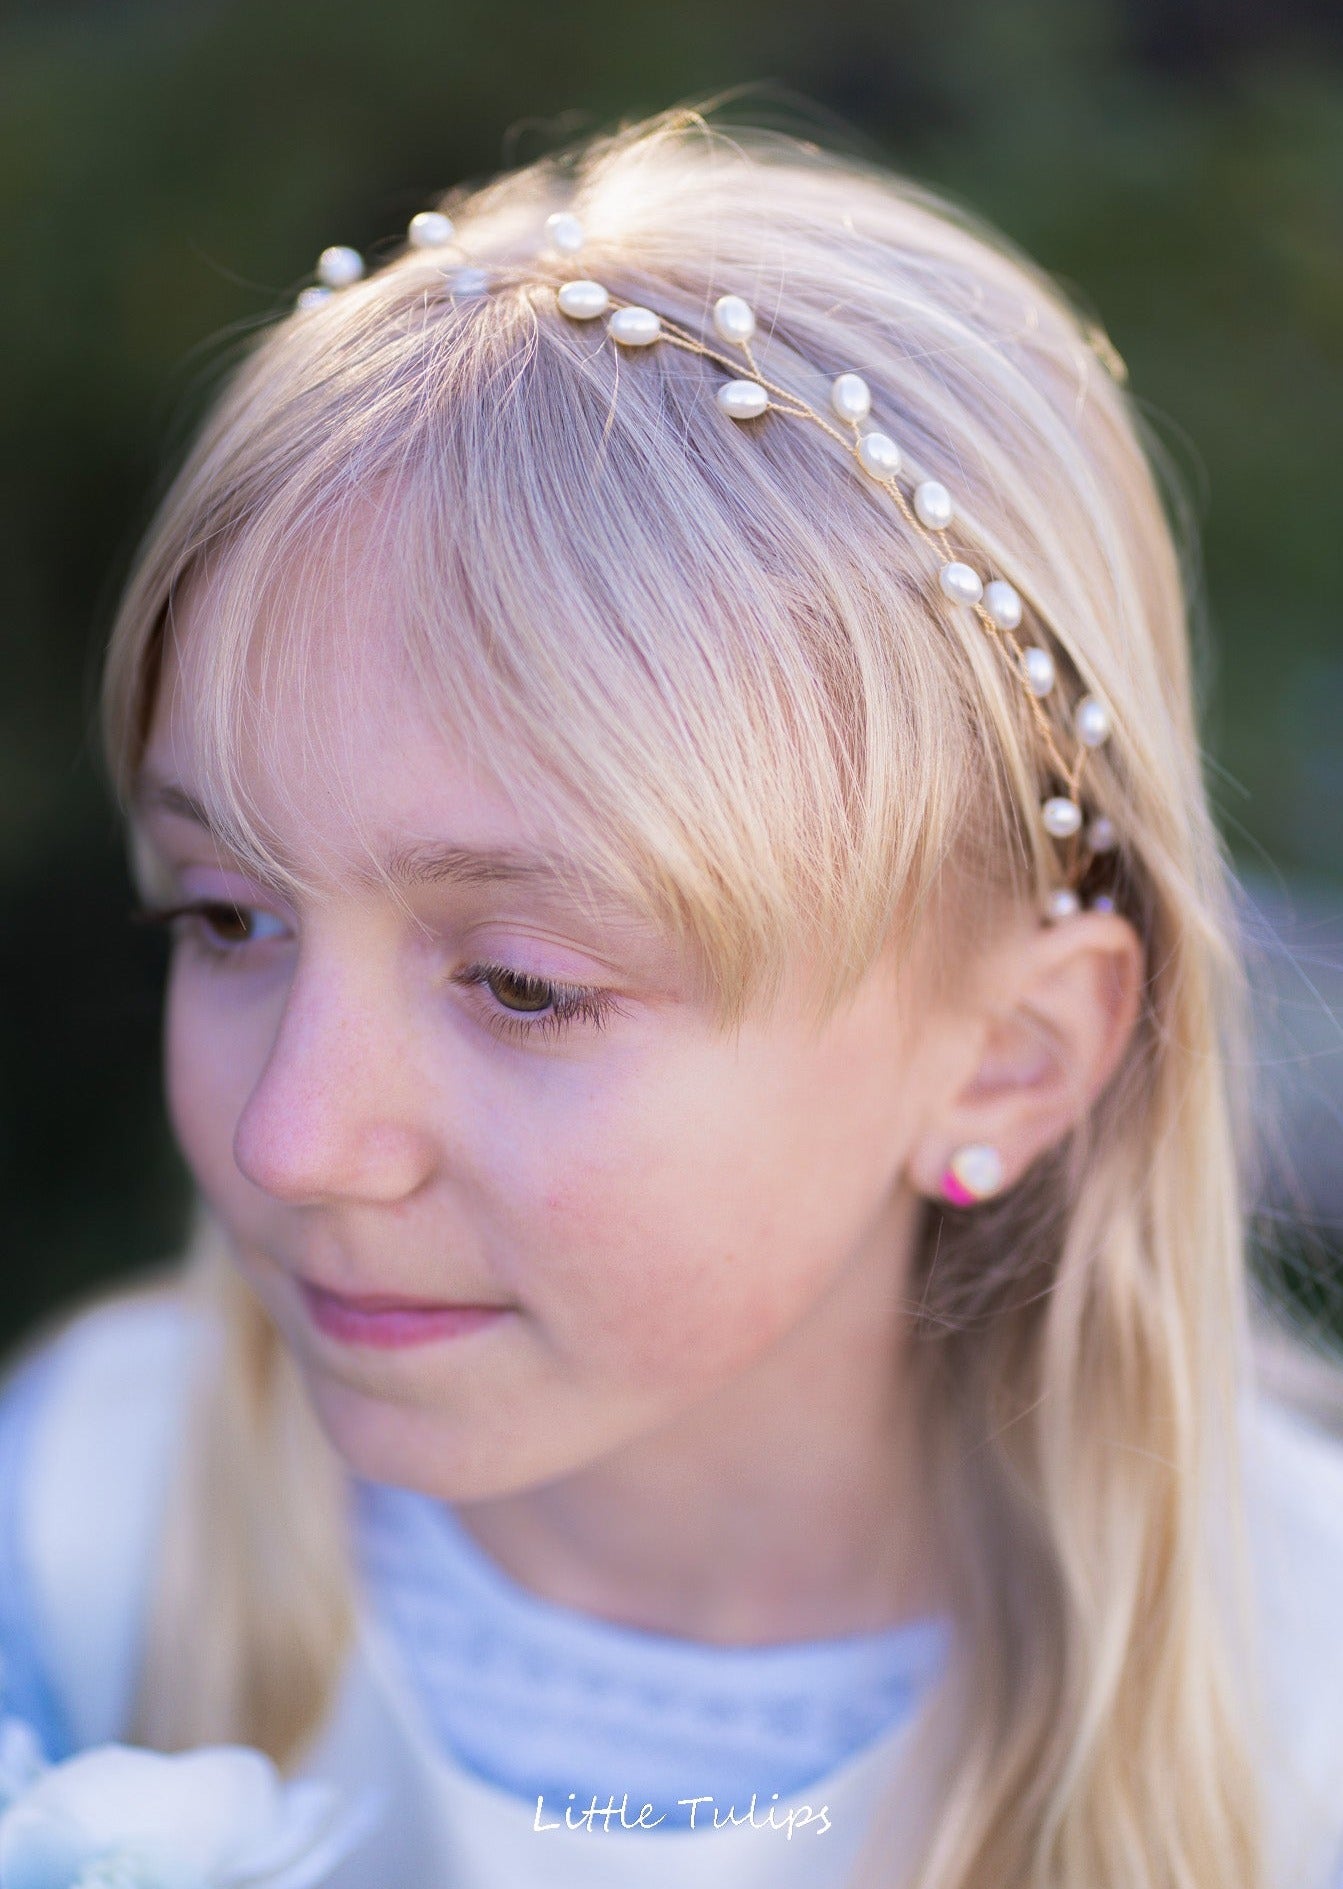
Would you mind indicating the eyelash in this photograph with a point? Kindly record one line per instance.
(571, 1003)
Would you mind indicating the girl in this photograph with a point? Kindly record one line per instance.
(705, 1022)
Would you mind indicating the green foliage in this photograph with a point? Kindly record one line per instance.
(171, 173)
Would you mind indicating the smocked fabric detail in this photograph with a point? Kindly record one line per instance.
(542, 1699)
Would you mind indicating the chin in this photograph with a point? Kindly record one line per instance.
(409, 1447)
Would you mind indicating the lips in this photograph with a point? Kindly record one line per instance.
(389, 1320)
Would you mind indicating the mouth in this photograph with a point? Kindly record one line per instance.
(387, 1321)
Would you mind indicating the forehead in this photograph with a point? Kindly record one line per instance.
(326, 733)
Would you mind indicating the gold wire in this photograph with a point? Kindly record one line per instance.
(782, 400)
(792, 404)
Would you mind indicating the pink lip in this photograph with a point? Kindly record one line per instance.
(387, 1322)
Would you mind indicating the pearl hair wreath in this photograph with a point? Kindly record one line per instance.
(928, 509)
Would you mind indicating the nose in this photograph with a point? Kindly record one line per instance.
(337, 1112)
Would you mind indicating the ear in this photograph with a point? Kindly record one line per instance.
(1047, 1025)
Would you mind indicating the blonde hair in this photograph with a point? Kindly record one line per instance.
(724, 658)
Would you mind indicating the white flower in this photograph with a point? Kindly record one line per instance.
(219, 1818)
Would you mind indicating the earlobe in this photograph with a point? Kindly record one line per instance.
(1044, 1055)
(973, 1173)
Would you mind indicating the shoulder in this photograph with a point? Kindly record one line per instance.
(1294, 1495)
(90, 1415)
(135, 1345)
(1293, 1466)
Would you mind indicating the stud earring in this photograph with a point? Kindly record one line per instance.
(973, 1173)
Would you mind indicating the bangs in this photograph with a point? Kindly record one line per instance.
(708, 656)
(647, 626)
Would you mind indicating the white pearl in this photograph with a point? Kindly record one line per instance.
(1061, 903)
(1091, 719)
(742, 399)
(339, 266)
(851, 397)
(430, 230)
(634, 327)
(932, 505)
(583, 300)
(469, 281)
(1061, 816)
(961, 584)
(566, 233)
(1038, 667)
(312, 298)
(1002, 604)
(734, 319)
(1101, 835)
(978, 1168)
(879, 455)
(1102, 903)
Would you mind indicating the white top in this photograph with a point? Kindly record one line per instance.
(550, 1700)
(92, 1494)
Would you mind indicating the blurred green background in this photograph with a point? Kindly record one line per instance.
(170, 172)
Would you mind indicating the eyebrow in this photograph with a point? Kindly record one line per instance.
(432, 862)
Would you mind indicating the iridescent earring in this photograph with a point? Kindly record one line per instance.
(973, 1173)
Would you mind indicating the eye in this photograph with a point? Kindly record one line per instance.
(216, 928)
(528, 1005)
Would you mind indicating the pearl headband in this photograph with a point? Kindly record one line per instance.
(928, 509)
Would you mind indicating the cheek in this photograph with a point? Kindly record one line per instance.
(206, 1079)
(690, 1241)
(678, 1230)
(188, 1087)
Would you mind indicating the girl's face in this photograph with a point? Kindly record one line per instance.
(517, 1105)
